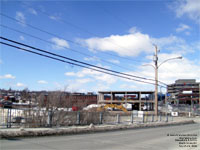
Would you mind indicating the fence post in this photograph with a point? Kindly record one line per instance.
(153, 118)
(78, 118)
(9, 118)
(118, 118)
(166, 118)
(50, 116)
(143, 118)
(146, 117)
(101, 118)
(131, 117)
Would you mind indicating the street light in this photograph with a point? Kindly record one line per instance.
(156, 66)
(180, 57)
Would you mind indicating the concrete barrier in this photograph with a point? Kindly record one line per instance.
(34, 132)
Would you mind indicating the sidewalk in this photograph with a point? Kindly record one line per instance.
(34, 132)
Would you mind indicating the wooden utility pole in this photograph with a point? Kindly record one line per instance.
(156, 80)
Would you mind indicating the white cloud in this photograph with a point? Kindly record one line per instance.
(184, 47)
(83, 81)
(55, 16)
(172, 70)
(94, 58)
(78, 85)
(21, 37)
(7, 76)
(165, 41)
(190, 8)
(131, 44)
(133, 30)
(167, 72)
(42, 82)
(21, 18)
(128, 86)
(70, 74)
(187, 33)
(182, 27)
(93, 75)
(114, 61)
(59, 43)
(32, 11)
(20, 84)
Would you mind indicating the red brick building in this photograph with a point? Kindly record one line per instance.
(81, 100)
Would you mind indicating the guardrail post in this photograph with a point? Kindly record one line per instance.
(78, 118)
(101, 118)
(118, 118)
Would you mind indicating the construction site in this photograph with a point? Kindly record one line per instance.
(184, 91)
(130, 100)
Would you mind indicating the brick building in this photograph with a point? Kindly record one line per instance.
(81, 100)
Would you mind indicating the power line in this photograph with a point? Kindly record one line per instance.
(50, 57)
(30, 35)
(52, 34)
(74, 60)
(65, 47)
(75, 26)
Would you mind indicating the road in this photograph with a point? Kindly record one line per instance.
(160, 138)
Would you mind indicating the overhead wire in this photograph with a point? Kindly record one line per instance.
(49, 42)
(75, 64)
(80, 28)
(52, 34)
(77, 61)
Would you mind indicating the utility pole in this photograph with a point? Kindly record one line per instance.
(156, 80)
(156, 66)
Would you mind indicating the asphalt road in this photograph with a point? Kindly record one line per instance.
(161, 138)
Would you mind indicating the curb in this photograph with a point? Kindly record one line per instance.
(82, 130)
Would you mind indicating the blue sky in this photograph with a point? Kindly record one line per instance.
(98, 30)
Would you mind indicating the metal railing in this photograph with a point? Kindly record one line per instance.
(15, 118)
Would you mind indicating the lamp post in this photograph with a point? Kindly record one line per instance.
(156, 66)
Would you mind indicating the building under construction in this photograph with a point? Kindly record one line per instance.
(139, 100)
(184, 91)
